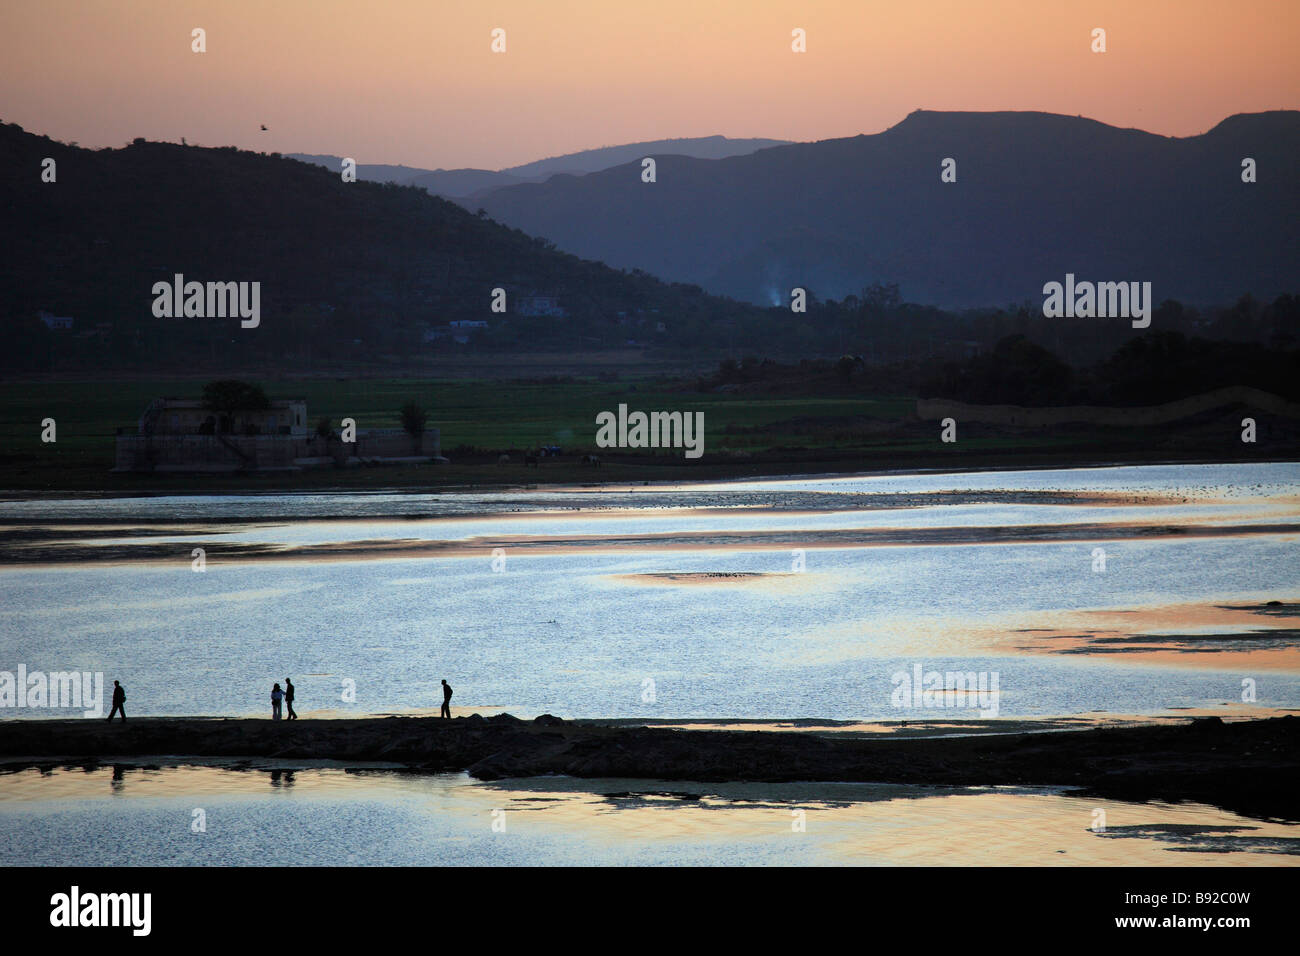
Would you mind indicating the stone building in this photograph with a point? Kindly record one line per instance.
(175, 434)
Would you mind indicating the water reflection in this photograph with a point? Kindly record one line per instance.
(370, 816)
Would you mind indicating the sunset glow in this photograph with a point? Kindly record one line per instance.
(415, 82)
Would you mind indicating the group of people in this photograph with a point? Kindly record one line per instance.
(286, 696)
(278, 697)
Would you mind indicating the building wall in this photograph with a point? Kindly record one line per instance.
(198, 453)
(185, 417)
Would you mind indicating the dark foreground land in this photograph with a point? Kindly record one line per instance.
(1249, 767)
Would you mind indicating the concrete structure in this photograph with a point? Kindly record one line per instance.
(179, 435)
(189, 416)
(540, 305)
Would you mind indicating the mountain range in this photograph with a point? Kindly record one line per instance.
(1036, 196)
(370, 272)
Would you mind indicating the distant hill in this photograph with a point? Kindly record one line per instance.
(348, 271)
(594, 160)
(366, 172)
(1037, 195)
(367, 275)
(448, 183)
(460, 185)
(465, 183)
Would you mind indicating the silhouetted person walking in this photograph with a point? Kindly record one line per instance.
(277, 695)
(446, 699)
(288, 698)
(119, 702)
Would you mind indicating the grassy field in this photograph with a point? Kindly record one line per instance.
(744, 434)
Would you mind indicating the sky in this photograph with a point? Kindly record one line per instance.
(416, 81)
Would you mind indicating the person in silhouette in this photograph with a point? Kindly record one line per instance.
(288, 698)
(276, 696)
(446, 699)
(119, 702)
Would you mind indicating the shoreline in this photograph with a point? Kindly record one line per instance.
(212, 484)
(60, 554)
(1247, 767)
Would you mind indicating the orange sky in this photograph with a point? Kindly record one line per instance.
(414, 81)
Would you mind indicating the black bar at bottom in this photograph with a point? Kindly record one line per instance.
(362, 905)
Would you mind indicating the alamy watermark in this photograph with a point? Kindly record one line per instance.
(1102, 300)
(75, 908)
(946, 689)
(212, 300)
(82, 690)
(652, 430)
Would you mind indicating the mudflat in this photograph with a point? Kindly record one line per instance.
(1248, 766)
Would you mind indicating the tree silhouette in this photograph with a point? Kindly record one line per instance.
(233, 398)
(414, 418)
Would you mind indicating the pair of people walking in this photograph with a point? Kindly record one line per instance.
(286, 695)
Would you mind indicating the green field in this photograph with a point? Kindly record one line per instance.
(745, 434)
(484, 415)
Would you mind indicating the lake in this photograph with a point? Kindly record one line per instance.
(1088, 595)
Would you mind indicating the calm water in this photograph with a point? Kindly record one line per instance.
(332, 817)
(783, 599)
(578, 617)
